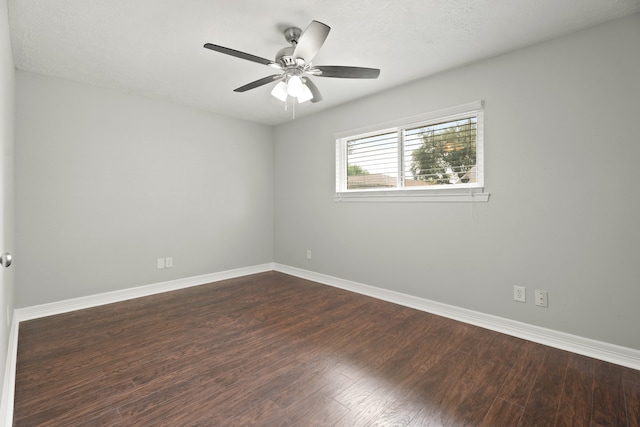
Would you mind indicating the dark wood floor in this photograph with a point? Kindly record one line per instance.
(274, 350)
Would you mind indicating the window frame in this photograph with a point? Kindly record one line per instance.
(434, 193)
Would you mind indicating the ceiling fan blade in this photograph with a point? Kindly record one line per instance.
(311, 41)
(317, 97)
(345, 72)
(258, 83)
(241, 55)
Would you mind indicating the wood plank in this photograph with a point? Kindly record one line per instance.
(520, 380)
(631, 384)
(502, 413)
(486, 382)
(320, 407)
(107, 419)
(441, 382)
(608, 396)
(542, 405)
(577, 397)
(406, 368)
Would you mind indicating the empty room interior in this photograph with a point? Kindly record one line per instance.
(320, 213)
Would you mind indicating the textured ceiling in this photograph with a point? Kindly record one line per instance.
(154, 47)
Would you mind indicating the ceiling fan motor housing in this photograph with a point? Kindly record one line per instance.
(284, 57)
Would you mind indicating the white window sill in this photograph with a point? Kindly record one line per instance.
(411, 196)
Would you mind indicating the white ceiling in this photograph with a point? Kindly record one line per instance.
(154, 47)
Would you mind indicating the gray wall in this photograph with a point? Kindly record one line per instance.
(7, 83)
(562, 151)
(107, 182)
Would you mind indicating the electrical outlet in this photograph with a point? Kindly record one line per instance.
(168, 262)
(160, 263)
(541, 298)
(520, 293)
(308, 253)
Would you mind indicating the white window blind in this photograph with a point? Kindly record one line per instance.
(372, 161)
(439, 152)
(442, 153)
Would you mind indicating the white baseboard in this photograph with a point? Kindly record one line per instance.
(597, 349)
(59, 307)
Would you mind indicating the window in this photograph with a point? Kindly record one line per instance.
(432, 157)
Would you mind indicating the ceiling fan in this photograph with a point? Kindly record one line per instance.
(294, 62)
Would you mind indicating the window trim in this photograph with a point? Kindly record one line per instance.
(438, 193)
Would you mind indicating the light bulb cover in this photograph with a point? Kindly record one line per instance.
(295, 87)
(306, 95)
(280, 91)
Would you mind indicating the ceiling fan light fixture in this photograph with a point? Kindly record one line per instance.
(306, 95)
(295, 87)
(280, 91)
